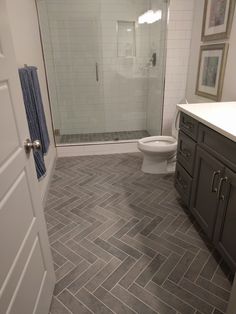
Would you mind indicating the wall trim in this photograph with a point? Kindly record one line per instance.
(102, 149)
(48, 179)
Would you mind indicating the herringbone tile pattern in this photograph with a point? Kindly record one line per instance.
(122, 243)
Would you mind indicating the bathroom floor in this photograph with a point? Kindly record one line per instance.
(102, 137)
(122, 243)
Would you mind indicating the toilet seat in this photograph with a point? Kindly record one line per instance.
(157, 144)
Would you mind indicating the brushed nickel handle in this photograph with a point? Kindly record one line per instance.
(29, 145)
(97, 74)
(188, 125)
(221, 196)
(185, 153)
(214, 189)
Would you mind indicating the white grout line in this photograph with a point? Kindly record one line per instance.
(98, 300)
(154, 296)
(72, 265)
(74, 279)
(119, 300)
(92, 242)
(130, 247)
(62, 304)
(141, 272)
(196, 296)
(77, 300)
(216, 296)
(183, 301)
(114, 258)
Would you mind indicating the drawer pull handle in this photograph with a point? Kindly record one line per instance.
(188, 125)
(185, 153)
(221, 196)
(215, 174)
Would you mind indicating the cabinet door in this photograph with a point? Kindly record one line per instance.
(225, 233)
(183, 183)
(204, 202)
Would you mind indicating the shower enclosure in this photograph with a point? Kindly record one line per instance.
(105, 64)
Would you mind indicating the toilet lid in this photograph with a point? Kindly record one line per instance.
(157, 142)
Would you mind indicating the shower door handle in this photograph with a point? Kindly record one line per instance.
(97, 74)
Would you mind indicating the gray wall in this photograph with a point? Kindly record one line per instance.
(229, 89)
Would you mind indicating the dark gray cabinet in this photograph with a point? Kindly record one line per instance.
(225, 231)
(183, 183)
(189, 126)
(186, 152)
(204, 200)
(206, 181)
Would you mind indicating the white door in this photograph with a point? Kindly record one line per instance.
(26, 271)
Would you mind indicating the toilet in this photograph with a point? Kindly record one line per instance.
(159, 152)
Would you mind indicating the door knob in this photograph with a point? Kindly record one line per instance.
(29, 145)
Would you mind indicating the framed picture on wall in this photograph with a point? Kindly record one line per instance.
(211, 68)
(217, 19)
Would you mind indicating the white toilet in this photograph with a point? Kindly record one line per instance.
(159, 152)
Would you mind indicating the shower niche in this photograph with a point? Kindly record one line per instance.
(126, 41)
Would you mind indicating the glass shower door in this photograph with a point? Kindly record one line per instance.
(71, 32)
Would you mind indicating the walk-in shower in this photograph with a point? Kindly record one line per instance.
(105, 64)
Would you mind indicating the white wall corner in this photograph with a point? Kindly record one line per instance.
(45, 182)
(177, 59)
(229, 90)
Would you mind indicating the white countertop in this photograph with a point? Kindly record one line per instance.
(219, 116)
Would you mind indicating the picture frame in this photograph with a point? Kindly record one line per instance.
(211, 69)
(217, 19)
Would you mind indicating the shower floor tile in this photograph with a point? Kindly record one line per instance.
(122, 242)
(102, 137)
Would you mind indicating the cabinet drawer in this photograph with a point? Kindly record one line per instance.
(186, 152)
(183, 183)
(220, 146)
(189, 125)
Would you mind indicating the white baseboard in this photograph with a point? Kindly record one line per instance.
(97, 149)
(48, 178)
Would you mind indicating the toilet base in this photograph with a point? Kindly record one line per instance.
(156, 165)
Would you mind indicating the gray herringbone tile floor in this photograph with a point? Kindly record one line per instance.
(122, 243)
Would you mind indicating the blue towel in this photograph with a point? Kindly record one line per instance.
(35, 114)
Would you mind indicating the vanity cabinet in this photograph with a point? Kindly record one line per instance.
(225, 231)
(205, 178)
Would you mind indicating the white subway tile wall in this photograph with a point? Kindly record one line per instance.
(178, 51)
(80, 39)
(157, 43)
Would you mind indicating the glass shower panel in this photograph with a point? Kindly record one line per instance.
(105, 62)
(156, 75)
(71, 32)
